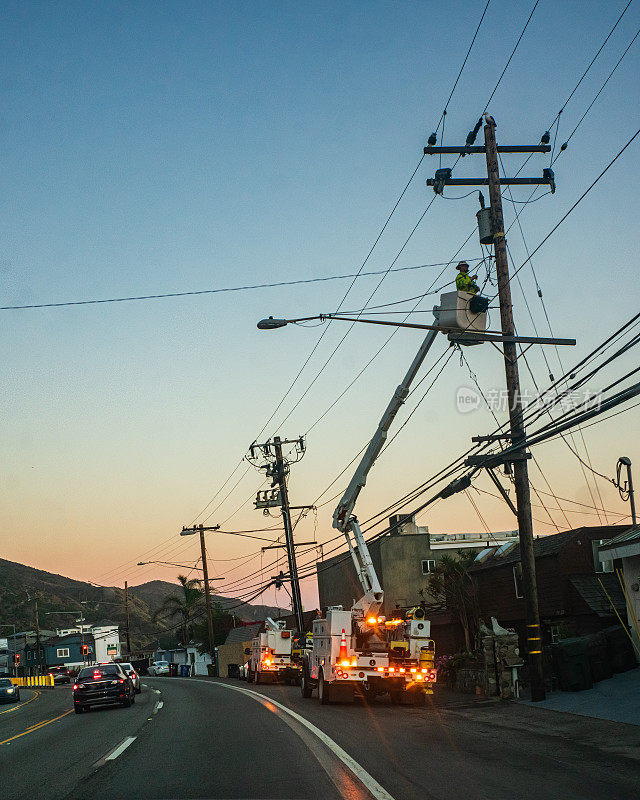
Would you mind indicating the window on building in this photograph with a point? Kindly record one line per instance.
(600, 566)
(428, 566)
(517, 580)
(62, 652)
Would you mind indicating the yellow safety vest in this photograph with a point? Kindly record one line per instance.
(465, 283)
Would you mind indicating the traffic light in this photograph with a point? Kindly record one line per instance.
(16, 659)
(85, 649)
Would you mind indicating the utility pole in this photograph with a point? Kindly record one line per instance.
(207, 596)
(126, 611)
(520, 467)
(626, 491)
(278, 469)
(280, 474)
(517, 430)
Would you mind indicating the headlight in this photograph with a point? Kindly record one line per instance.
(10, 691)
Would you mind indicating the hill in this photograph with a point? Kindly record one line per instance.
(21, 585)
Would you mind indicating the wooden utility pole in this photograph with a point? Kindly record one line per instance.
(126, 611)
(207, 596)
(509, 340)
(280, 474)
(520, 468)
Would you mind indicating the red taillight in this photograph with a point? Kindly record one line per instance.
(75, 686)
(122, 680)
(133, 675)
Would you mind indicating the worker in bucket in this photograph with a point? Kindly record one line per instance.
(464, 281)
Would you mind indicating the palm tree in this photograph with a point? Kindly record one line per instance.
(185, 607)
(452, 585)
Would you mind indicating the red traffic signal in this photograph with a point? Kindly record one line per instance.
(16, 658)
(85, 649)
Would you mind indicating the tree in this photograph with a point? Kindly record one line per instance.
(452, 585)
(184, 606)
(222, 624)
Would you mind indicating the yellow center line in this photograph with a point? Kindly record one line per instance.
(36, 727)
(15, 708)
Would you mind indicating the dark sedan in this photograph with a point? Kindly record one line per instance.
(102, 684)
(8, 692)
(60, 674)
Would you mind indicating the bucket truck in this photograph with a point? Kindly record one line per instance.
(360, 650)
(271, 660)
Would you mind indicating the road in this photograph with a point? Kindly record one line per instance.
(193, 738)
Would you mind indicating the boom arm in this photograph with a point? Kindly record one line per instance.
(343, 517)
(343, 512)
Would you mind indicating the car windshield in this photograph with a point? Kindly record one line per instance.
(161, 663)
(127, 667)
(109, 670)
(5, 682)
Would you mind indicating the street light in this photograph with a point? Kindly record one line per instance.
(205, 571)
(270, 323)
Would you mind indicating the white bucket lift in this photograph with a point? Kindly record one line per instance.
(454, 313)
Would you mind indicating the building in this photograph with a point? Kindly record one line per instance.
(403, 561)
(84, 645)
(199, 662)
(571, 579)
(624, 551)
(106, 639)
(234, 651)
(69, 651)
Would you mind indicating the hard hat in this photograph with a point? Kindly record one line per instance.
(462, 265)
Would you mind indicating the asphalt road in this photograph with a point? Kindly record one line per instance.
(192, 738)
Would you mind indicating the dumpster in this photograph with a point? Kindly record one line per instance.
(598, 655)
(572, 665)
(621, 655)
(173, 670)
(185, 670)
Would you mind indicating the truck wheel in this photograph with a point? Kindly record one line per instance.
(324, 691)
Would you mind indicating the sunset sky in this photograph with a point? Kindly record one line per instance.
(153, 148)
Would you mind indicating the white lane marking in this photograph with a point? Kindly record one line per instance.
(363, 776)
(157, 706)
(120, 748)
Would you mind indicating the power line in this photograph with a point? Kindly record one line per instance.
(248, 287)
(513, 52)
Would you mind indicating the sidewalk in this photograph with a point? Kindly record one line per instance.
(616, 699)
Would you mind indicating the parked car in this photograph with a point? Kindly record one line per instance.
(8, 692)
(129, 669)
(159, 668)
(102, 684)
(60, 674)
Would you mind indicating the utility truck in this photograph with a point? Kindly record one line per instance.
(271, 660)
(360, 650)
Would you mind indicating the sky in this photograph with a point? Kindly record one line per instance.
(152, 148)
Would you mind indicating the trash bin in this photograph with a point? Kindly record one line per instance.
(185, 670)
(621, 655)
(211, 670)
(598, 655)
(173, 670)
(572, 665)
